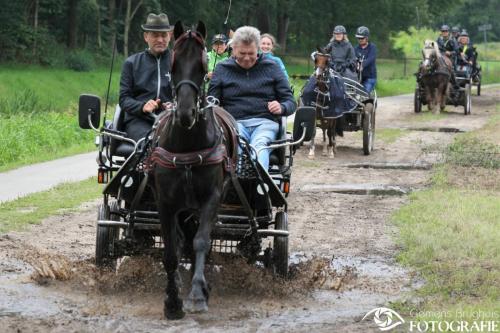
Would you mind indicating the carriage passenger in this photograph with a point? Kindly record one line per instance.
(267, 45)
(455, 33)
(366, 52)
(254, 90)
(145, 79)
(218, 52)
(446, 44)
(467, 54)
(343, 57)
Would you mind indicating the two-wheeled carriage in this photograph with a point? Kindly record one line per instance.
(254, 205)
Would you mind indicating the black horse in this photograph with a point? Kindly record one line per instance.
(189, 171)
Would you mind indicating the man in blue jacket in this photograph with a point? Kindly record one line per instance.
(254, 90)
(366, 53)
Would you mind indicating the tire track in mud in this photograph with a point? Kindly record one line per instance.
(342, 246)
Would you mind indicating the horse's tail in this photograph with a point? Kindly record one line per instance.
(339, 126)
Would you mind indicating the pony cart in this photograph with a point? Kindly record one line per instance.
(435, 86)
(253, 207)
(341, 104)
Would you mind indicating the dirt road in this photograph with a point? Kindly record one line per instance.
(342, 244)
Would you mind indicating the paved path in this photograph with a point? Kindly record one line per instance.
(43, 176)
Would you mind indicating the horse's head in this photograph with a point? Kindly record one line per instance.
(189, 67)
(321, 62)
(430, 54)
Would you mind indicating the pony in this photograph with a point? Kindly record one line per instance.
(329, 126)
(434, 74)
(189, 167)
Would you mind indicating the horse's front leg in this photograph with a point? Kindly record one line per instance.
(310, 155)
(324, 128)
(331, 139)
(197, 300)
(173, 303)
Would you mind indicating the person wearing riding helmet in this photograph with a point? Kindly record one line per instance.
(366, 53)
(446, 44)
(343, 57)
(466, 52)
(267, 45)
(218, 52)
(455, 32)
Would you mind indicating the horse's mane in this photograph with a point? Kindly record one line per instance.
(430, 44)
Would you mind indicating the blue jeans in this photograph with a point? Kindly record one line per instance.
(259, 132)
(369, 84)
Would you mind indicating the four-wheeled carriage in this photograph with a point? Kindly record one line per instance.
(128, 220)
(458, 96)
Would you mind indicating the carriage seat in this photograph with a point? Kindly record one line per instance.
(118, 147)
(278, 155)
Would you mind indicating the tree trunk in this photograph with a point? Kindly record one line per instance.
(72, 23)
(129, 15)
(35, 28)
(283, 22)
(263, 19)
(98, 18)
(111, 21)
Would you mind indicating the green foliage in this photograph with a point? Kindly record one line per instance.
(80, 61)
(410, 42)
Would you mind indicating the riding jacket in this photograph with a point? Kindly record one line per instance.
(342, 55)
(368, 55)
(144, 77)
(244, 93)
(214, 59)
(449, 44)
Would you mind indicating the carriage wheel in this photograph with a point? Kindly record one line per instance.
(106, 236)
(417, 102)
(368, 129)
(280, 250)
(467, 99)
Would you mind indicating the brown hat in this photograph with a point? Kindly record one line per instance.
(157, 23)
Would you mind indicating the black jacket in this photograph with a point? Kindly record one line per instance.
(144, 77)
(342, 54)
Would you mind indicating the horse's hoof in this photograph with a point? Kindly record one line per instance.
(311, 157)
(331, 156)
(195, 305)
(173, 310)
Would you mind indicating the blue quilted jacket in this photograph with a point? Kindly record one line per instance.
(245, 93)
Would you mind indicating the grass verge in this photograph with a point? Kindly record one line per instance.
(449, 234)
(32, 209)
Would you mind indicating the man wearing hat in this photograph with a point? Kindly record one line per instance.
(145, 79)
(218, 52)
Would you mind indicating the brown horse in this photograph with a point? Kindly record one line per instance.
(434, 76)
(327, 125)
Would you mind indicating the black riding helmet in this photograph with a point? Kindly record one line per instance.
(455, 29)
(445, 27)
(219, 38)
(464, 33)
(362, 32)
(339, 29)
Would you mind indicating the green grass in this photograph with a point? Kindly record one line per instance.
(38, 112)
(32, 209)
(449, 234)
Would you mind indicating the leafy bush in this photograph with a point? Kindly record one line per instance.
(80, 61)
(410, 43)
